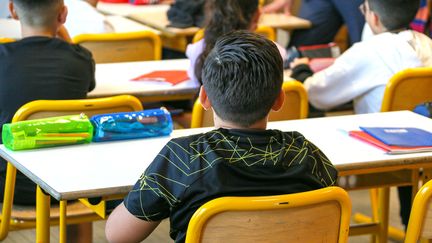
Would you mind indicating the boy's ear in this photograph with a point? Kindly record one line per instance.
(203, 98)
(61, 18)
(279, 101)
(13, 11)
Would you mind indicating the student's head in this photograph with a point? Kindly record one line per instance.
(224, 16)
(390, 15)
(242, 78)
(39, 14)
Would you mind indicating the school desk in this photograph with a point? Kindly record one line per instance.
(112, 168)
(115, 78)
(155, 16)
(11, 28)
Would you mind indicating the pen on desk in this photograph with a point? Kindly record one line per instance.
(81, 135)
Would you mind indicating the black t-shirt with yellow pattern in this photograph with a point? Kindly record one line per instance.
(190, 171)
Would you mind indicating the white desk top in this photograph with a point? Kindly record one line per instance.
(10, 28)
(100, 169)
(114, 79)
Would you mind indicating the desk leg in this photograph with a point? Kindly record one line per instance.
(62, 224)
(383, 213)
(42, 216)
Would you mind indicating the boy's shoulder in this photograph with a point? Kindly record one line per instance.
(43, 44)
(219, 137)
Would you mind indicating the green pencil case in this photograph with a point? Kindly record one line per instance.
(47, 132)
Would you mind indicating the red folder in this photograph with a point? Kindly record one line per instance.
(171, 76)
(388, 148)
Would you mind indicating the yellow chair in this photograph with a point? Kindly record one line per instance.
(321, 215)
(6, 40)
(266, 31)
(420, 222)
(122, 47)
(77, 212)
(408, 88)
(295, 107)
(404, 91)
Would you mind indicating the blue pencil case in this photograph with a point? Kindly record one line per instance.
(130, 125)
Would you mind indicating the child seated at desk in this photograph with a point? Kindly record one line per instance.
(83, 18)
(242, 80)
(42, 65)
(362, 72)
(222, 16)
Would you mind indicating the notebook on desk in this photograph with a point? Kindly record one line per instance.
(172, 77)
(389, 149)
(400, 136)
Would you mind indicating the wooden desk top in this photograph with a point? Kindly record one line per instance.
(108, 168)
(283, 21)
(155, 16)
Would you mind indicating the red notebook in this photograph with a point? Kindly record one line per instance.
(171, 76)
(388, 148)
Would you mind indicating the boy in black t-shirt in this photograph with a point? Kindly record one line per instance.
(39, 66)
(242, 79)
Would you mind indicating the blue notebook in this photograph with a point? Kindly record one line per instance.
(400, 136)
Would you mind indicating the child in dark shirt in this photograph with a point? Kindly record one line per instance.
(42, 65)
(242, 80)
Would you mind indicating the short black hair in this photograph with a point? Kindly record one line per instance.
(38, 13)
(395, 14)
(243, 76)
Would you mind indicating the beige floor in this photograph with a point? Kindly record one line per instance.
(360, 204)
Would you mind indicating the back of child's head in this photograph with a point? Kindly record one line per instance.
(242, 77)
(38, 13)
(224, 16)
(395, 14)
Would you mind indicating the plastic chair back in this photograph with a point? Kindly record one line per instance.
(46, 108)
(122, 47)
(295, 107)
(408, 88)
(420, 222)
(313, 216)
(6, 40)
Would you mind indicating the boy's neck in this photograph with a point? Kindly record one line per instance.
(31, 31)
(219, 123)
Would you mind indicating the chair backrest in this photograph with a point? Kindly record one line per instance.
(420, 222)
(263, 30)
(122, 47)
(321, 215)
(295, 107)
(408, 88)
(6, 40)
(47, 108)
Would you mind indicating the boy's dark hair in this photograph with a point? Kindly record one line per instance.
(243, 76)
(38, 13)
(395, 14)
